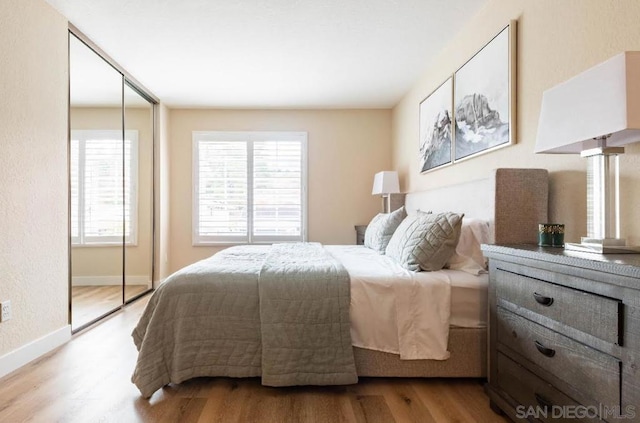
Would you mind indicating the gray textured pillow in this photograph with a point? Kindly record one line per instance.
(381, 228)
(425, 241)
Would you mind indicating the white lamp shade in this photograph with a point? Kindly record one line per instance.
(385, 182)
(602, 100)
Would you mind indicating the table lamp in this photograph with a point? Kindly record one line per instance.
(594, 114)
(386, 183)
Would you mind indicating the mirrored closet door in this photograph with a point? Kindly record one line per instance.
(111, 139)
(138, 124)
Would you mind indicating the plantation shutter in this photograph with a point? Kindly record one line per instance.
(249, 187)
(222, 190)
(277, 190)
(103, 196)
(103, 190)
(75, 195)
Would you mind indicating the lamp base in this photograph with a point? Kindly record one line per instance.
(392, 201)
(603, 246)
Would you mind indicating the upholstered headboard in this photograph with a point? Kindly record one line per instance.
(514, 201)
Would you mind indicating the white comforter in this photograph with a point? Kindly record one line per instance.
(395, 310)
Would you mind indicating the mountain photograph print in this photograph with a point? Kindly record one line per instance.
(435, 128)
(483, 98)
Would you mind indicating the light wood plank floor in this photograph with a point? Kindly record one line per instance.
(88, 380)
(89, 302)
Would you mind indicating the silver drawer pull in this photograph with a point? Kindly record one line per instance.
(541, 299)
(544, 350)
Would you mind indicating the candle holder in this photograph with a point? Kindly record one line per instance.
(551, 235)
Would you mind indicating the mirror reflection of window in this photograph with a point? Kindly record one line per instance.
(97, 175)
(97, 199)
(111, 186)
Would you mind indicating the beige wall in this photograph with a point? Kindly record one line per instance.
(33, 171)
(556, 40)
(345, 149)
(107, 261)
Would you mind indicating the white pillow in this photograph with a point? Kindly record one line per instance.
(381, 228)
(468, 256)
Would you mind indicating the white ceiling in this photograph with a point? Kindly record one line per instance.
(95, 83)
(272, 53)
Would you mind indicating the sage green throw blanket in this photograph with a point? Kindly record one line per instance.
(280, 312)
(304, 314)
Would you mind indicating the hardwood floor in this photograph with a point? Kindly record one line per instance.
(88, 380)
(91, 301)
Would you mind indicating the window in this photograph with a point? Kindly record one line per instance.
(249, 187)
(99, 210)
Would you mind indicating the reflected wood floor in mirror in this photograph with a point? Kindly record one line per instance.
(88, 380)
(91, 301)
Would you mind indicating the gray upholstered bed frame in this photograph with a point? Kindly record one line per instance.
(514, 201)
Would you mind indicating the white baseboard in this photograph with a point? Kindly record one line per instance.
(110, 280)
(29, 352)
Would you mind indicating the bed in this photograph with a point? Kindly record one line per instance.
(254, 328)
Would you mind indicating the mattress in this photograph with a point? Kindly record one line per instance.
(468, 299)
(387, 312)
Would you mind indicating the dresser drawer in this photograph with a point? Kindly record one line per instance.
(595, 374)
(590, 313)
(536, 397)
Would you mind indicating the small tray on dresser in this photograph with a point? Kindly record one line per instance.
(564, 334)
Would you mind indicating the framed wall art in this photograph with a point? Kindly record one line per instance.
(484, 98)
(436, 128)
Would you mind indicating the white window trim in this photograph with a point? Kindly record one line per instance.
(244, 136)
(81, 241)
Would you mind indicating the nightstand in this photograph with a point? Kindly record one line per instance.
(360, 230)
(564, 334)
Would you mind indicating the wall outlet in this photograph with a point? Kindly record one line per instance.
(6, 311)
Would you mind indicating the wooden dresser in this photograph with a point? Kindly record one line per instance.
(564, 334)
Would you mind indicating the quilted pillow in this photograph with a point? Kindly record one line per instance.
(425, 241)
(381, 228)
